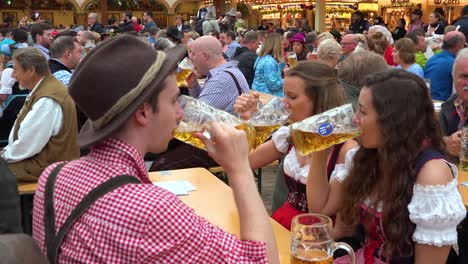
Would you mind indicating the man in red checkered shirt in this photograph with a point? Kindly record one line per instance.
(129, 92)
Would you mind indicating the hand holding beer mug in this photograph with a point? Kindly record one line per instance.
(324, 130)
(268, 118)
(311, 240)
(292, 59)
(198, 114)
(183, 71)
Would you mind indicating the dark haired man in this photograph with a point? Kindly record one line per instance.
(134, 221)
(41, 34)
(148, 19)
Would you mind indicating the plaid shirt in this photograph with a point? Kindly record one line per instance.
(63, 76)
(137, 223)
(460, 108)
(220, 90)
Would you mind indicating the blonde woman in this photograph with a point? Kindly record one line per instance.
(269, 66)
(329, 52)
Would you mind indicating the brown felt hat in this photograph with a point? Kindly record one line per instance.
(116, 78)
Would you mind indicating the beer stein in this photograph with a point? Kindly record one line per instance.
(292, 59)
(324, 130)
(183, 71)
(198, 114)
(311, 240)
(268, 118)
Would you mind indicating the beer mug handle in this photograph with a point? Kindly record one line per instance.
(348, 248)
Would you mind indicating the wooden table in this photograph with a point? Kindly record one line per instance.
(463, 177)
(214, 201)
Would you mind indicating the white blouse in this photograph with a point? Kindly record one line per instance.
(435, 210)
(291, 166)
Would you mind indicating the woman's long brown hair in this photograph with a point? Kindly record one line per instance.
(406, 119)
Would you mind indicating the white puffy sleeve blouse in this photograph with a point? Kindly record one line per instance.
(435, 210)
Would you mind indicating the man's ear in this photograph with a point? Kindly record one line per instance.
(142, 114)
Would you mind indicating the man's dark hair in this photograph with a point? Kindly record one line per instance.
(129, 14)
(5, 31)
(149, 13)
(249, 37)
(465, 10)
(359, 14)
(214, 33)
(413, 37)
(38, 29)
(310, 37)
(19, 35)
(67, 33)
(280, 31)
(231, 35)
(153, 30)
(403, 21)
(60, 45)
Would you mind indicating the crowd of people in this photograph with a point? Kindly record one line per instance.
(86, 111)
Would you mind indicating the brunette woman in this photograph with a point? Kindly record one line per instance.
(397, 190)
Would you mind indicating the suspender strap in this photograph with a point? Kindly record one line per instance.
(239, 90)
(54, 242)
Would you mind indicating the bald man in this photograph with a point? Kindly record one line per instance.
(439, 67)
(224, 81)
(349, 43)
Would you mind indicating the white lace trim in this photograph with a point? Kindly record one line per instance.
(292, 168)
(339, 173)
(281, 139)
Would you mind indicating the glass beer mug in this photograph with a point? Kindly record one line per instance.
(198, 114)
(292, 59)
(311, 240)
(183, 71)
(324, 130)
(268, 118)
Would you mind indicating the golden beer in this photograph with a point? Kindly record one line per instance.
(313, 256)
(262, 133)
(292, 61)
(189, 137)
(308, 142)
(182, 75)
(464, 164)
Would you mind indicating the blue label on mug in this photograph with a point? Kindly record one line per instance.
(325, 129)
(179, 69)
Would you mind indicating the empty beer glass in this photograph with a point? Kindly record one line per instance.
(311, 240)
(324, 130)
(198, 114)
(268, 118)
(292, 59)
(183, 71)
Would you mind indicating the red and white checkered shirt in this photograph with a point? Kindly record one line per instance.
(136, 223)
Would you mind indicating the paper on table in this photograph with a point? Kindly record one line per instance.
(176, 187)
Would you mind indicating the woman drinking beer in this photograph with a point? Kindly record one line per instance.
(310, 88)
(396, 192)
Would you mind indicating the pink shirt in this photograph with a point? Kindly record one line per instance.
(136, 223)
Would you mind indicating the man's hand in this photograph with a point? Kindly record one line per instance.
(246, 105)
(453, 143)
(227, 146)
(192, 80)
